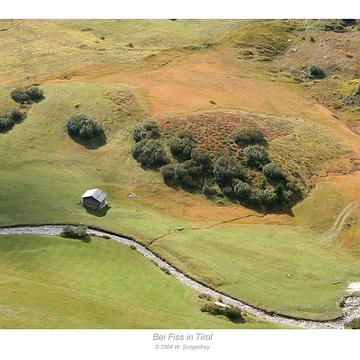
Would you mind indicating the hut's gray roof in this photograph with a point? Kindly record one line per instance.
(97, 194)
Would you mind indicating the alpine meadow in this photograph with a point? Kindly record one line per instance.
(180, 174)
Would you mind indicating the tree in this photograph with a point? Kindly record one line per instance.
(168, 173)
(227, 169)
(209, 191)
(268, 198)
(316, 72)
(182, 146)
(35, 93)
(242, 190)
(84, 127)
(150, 153)
(148, 130)
(5, 123)
(293, 191)
(256, 156)
(248, 136)
(16, 115)
(76, 232)
(8, 120)
(201, 156)
(273, 171)
(20, 96)
(190, 174)
(26, 96)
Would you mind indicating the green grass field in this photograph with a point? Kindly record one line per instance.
(274, 267)
(52, 282)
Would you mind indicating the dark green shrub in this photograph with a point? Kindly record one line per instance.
(227, 190)
(332, 25)
(255, 197)
(294, 187)
(201, 156)
(312, 39)
(273, 171)
(190, 174)
(242, 190)
(26, 96)
(182, 146)
(168, 173)
(20, 96)
(209, 191)
(256, 156)
(150, 153)
(227, 169)
(75, 232)
(148, 130)
(231, 313)
(16, 115)
(316, 72)
(281, 194)
(8, 120)
(248, 136)
(35, 93)
(6, 123)
(83, 127)
(353, 324)
(268, 198)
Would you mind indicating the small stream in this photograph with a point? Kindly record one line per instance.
(350, 306)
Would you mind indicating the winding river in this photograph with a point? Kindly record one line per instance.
(351, 305)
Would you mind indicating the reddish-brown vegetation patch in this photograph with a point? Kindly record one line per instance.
(213, 130)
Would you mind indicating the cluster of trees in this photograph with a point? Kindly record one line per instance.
(147, 131)
(83, 127)
(22, 96)
(8, 120)
(28, 95)
(192, 168)
(148, 151)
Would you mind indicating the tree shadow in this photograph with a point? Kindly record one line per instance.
(235, 320)
(93, 143)
(38, 99)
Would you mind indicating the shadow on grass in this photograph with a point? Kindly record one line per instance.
(84, 239)
(91, 143)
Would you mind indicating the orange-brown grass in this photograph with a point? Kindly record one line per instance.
(214, 130)
(300, 146)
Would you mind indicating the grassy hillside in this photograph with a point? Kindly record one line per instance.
(52, 282)
(41, 48)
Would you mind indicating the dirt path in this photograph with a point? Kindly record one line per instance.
(335, 230)
(351, 305)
